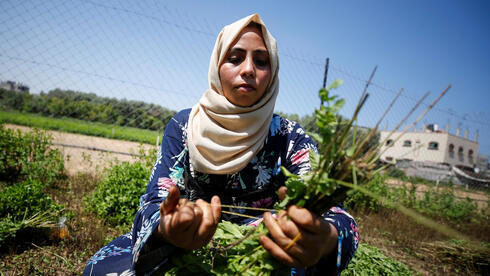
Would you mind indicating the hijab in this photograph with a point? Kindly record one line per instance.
(222, 137)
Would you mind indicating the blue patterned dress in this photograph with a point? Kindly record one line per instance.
(287, 145)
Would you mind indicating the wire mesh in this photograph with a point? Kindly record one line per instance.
(144, 51)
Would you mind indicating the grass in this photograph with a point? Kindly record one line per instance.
(425, 250)
(370, 260)
(87, 234)
(397, 236)
(79, 126)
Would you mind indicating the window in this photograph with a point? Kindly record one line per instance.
(407, 143)
(461, 154)
(389, 142)
(451, 150)
(433, 146)
(470, 156)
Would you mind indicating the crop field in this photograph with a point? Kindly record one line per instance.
(33, 242)
(87, 89)
(80, 126)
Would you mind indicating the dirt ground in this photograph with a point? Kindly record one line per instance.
(386, 231)
(90, 160)
(93, 161)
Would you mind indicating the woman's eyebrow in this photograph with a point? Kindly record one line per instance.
(261, 51)
(238, 49)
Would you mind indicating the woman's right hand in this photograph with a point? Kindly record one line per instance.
(187, 224)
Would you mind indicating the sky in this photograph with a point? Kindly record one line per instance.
(417, 45)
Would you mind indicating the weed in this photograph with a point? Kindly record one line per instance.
(396, 173)
(359, 200)
(28, 166)
(116, 198)
(29, 156)
(369, 260)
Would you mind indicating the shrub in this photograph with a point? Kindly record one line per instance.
(433, 202)
(396, 173)
(29, 156)
(446, 204)
(116, 198)
(12, 154)
(359, 200)
(25, 205)
(369, 260)
(420, 180)
(25, 200)
(88, 106)
(28, 165)
(11, 99)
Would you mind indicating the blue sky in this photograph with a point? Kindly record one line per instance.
(418, 45)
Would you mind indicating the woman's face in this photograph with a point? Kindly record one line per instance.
(246, 70)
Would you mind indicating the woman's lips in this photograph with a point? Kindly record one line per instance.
(245, 88)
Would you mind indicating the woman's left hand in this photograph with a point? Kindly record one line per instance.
(318, 238)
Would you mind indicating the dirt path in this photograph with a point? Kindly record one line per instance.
(80, 159)
(93, 161)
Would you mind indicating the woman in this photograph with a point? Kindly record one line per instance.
(228, 149)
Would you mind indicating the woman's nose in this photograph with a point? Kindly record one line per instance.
(248, 67)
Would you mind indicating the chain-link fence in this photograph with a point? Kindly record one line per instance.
(157, 59)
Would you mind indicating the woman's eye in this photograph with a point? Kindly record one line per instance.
(234, 59)
(261, 62)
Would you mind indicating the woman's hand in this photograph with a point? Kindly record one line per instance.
(187, 224)
(318, 238)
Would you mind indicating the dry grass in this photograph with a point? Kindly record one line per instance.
(423, 249)
(42, 255)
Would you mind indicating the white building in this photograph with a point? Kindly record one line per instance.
(430, 144)
(14, 86)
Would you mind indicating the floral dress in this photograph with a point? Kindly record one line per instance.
(287, 145)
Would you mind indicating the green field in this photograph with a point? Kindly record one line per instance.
(79, 126)
(95, 206)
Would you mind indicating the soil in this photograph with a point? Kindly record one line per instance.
(109, 150)
(88, 233)
(94, 160)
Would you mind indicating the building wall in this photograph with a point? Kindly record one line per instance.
(14, 86)
(456, 156)
(482, 163)
(428, 146)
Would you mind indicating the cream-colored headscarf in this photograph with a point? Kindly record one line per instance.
(223, 137)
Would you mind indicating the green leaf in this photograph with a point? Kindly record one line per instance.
(314, 160)
(350, 152)
(323, 94)
(301, 203)
(316, 137)
(283, 204)
(231, 228)
(337, 106)
(336, 83)
(288, 174)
